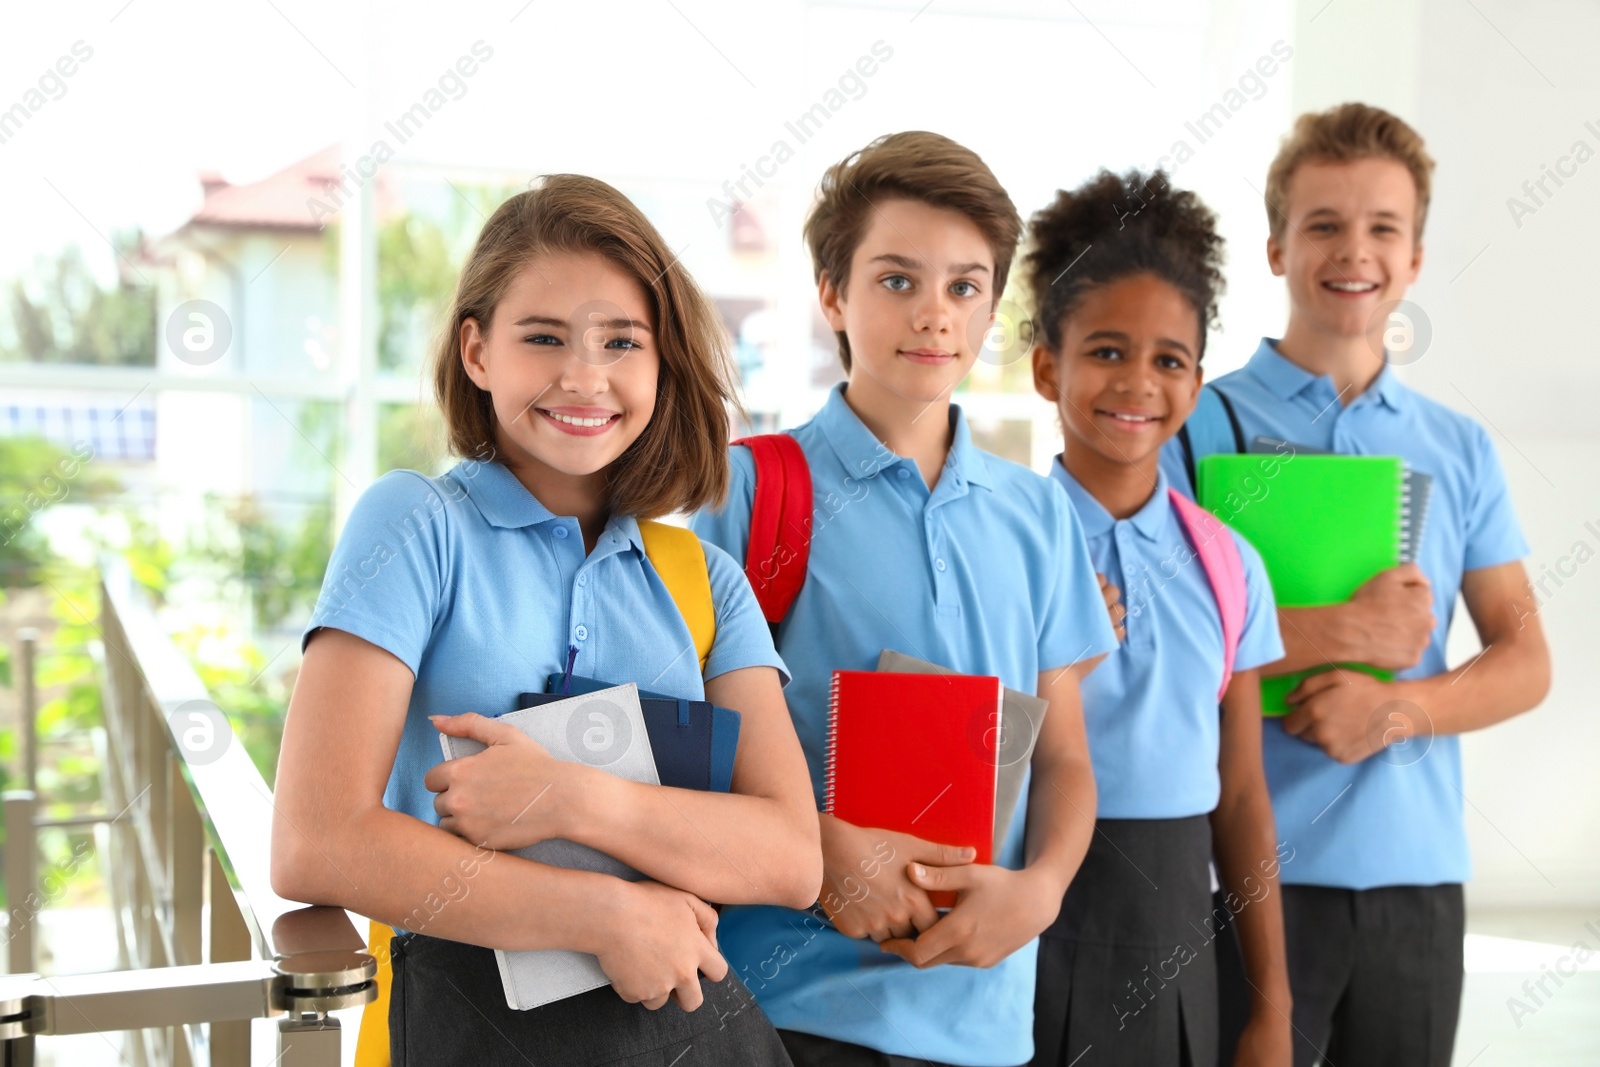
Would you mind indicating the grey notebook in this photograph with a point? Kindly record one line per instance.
(606, 730)
(1021, 715)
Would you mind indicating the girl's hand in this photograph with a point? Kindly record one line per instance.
(997, 911)
(1114, 606)
(1265, 1041)
(509, 796)
(661, 943)
(865, 891)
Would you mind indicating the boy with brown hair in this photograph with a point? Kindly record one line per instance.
(1365, 774)
(933, 548)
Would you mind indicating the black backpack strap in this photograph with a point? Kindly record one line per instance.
(1210, 431)
(1188, 453)
(1233, 421)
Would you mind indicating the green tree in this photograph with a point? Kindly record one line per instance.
(280, 565)
(419, 258)
(416, 279)
(62, 314)
(411, 437)
(34, 476)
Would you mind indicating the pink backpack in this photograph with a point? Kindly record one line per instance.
(1224, 567)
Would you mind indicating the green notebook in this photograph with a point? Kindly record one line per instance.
(1323, 525)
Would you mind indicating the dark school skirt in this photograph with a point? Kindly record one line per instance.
(1128, 967)
(447, 1006)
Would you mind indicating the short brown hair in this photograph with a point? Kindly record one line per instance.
(1340, 135)
(914, 165)
(680, 461)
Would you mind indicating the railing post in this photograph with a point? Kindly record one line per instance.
(28, 644)
(22, 874)
(16, 1037)
(227, 939)
(180, 812)
(186, 838)
(308, 1042)
(322, 966)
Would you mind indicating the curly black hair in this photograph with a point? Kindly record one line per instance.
(1112, 227)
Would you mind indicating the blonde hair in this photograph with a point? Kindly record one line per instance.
(1342, 134)
(680, 461)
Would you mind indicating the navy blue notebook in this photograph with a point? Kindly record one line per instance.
(694, 742)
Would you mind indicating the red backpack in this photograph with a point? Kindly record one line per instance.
(780, 542)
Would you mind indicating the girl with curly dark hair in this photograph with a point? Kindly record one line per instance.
(1124, 273)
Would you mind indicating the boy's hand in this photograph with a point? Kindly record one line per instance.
(511, 795)
(664, 940)
(1335, 711)
(1114, 607)
(1265, 1041)
(997, 911)
(865, 891)
(1393, 612)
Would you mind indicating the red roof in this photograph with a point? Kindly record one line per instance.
(302, 196)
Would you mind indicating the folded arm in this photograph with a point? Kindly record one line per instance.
(755, 845)
(1387, 623)
(1512, 673)
(999, 910)
(1351, 715)
(334, 843)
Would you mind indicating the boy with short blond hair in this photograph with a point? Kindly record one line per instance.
(1365, 774)
(926, 545)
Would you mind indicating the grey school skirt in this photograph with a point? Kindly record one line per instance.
(448, 1007)
(1128, 966)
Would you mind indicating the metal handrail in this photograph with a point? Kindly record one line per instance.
(204, 937)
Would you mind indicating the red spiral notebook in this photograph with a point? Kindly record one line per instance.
(916, 753)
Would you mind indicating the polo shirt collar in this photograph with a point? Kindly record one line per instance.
(1389, 389)
(1150, 521)
(1284, 378)
(500, 498)
(863, 455)
(505, 502)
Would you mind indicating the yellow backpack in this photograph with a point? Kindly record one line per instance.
(680, 560)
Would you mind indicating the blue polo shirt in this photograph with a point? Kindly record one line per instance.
(476, 587)
(1396, 817)
(988, 574)
(1151, 706)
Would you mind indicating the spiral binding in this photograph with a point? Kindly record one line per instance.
(1403, 534)
(833, 743)
(1419, 492)
(1408, 529)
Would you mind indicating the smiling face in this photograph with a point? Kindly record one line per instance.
(917, 303)
(570, 362)
(1349, 244)
(1127, 373)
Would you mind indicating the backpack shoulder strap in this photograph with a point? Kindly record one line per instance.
(1224, 569)
(780, 524)
(1212, 427)
(680, 559)
(372, 1034)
